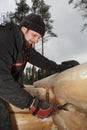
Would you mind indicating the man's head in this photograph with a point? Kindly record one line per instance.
(32, 23)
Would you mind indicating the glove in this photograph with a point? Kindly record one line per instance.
(43, 109)
(68, 64)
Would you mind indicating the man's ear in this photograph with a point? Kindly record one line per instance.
(24, 30)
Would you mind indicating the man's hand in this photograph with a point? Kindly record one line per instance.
(42, 108)
(68, 64)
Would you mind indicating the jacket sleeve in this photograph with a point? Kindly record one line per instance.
(40, 61)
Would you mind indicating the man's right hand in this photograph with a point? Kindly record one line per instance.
(42, 108)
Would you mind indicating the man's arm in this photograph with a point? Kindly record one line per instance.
(40, 61)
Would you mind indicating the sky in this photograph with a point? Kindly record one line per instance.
(71, 43)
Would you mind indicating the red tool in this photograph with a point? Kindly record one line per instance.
(47, 92)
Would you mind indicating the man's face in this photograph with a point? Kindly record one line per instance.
(30, 36)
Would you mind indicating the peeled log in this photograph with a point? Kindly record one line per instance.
(21, 118)
(70, 86)
(41, 92)
(25, 121)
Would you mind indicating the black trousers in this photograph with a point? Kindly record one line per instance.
(5, 122)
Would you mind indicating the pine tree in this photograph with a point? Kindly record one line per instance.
(22, 9)
(39, 7)
(82, 5)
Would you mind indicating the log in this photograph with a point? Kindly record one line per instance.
(41, 92)
(69, 86)
(21, 118)
(26, 121)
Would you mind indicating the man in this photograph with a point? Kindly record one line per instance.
(15, 51)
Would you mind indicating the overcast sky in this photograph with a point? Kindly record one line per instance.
(71, 43)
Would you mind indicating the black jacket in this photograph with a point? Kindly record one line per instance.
(13, 57)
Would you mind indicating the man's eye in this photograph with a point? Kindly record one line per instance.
(33, 35)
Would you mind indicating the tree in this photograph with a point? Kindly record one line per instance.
(35, 6)
(82, 5)
(39, 7)
(22, 9)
